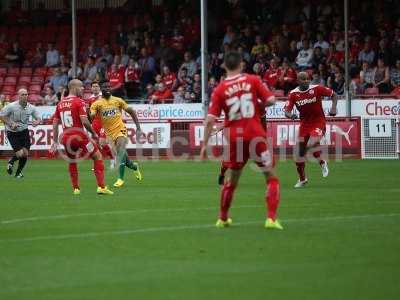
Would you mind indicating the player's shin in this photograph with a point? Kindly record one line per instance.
(98, 167)
(272, 197)
(227, 192)
(73, 173)
(317, 155)
(13, 159)
(300, 166)
(121, 156)
(21, 164)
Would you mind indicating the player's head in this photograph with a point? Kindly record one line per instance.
(232, 61)
(106, 89)
(303, 81)
(95, 88)
(75, 87)
(23, 96)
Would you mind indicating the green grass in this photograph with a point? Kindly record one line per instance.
(156, 239)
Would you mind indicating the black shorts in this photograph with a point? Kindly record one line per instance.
(19, 140)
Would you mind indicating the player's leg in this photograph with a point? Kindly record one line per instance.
(25, 142)
(222, 171)
(71, 150)
(16, 145)
(124, 161)
(265, 161)
(314, 146)
(98, 166)
(300, 158)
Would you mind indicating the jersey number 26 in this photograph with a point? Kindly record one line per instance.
(240, 107)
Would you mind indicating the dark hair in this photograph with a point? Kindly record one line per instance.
(232, 60)
(95, 82)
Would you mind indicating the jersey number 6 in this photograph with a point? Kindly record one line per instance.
(242, 107)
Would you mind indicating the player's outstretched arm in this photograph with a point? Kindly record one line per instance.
(290, 115)
(208, 128)
(87, 125)
(134, 117)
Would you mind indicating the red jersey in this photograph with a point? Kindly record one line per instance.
(133, 74)
(96, 122)
(238, 97)
(271, 77)
(69, 110)
(309, 103)
(116, 78)
(169, 80)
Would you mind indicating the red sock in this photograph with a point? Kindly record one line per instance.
(98, 167)
(107, 152)
(73, 173)
(300, 170)
(273, 196)
(317, 155)
(226, 198)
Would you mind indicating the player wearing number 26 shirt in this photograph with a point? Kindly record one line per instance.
(71, 112)
(308, 101)
(243, 99)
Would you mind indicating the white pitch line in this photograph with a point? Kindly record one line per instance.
(177, 228)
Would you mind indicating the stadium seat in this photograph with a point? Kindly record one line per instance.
(26, 71)
(24, 80)
(8, 89)
(371, 91)
(37, 79)
(11, 80)
(34, 98)
(13, 72)
(3, 72)
(35, 89)
(40, 71)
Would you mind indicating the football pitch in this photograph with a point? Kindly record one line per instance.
(156, 239)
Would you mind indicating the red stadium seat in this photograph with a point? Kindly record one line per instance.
(26, 71)
(8, 89)
(11, 80)
(3, 72)
(35, 89)
(37, 79)
(34, 98)
(13, 71)
(24, 80)
(371, 91)
(40, 71)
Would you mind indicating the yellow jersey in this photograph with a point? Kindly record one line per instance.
(110, 112)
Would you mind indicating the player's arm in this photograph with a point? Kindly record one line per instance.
(288, 109)
(93, 110)
(266, 97)
(36, 117)
(56, 122)
(4, 117)
(333, 110)
(85, 120)
(132, 113)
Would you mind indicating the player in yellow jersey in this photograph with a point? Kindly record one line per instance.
(110, 108)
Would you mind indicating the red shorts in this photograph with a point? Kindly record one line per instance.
(99, 129)
(78, 147)
(237, 154)
(312, 130)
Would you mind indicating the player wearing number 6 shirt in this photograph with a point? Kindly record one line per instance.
(308, 101)
(238, 97)
(71, 112)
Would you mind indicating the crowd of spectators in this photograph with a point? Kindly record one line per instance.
(156, 57)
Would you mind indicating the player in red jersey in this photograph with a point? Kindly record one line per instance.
(238, 97)
(71, 112)
(308, 100)
(105, 147)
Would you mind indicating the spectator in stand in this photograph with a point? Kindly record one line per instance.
(260, 47)
(90, 71)
(92, 50)
(395, 75)
(122, 37)
(317, 79)
(355, 49)
(51, 98)
(158, 80)
(38, 59)
(305, 57)
(15, 55)
(196, 93)
(271, 75)
(337, 83)
(258, 70)
(183, 78)
(147, 65)
(215, 65)
(335, 55)
(383, 51)
(52, 56)
(189, 64)
(245, 55)
(162, 95)
(300, 43)
(382, 77)
(286, 77)
(117, 81)
(164, 54)
(212, 84)
(177, 41)
(229, 36)
(196, 80)
(321, 43)
(169, 78)
(124, 57)
(79, 71)
(247, 37)
(179, 96)
(367, 54)
(366, 76)
(292, 52)
(150, 92)
(318, 57)
(105, 53)
(59, 79)
(64, 63)
(132, 79)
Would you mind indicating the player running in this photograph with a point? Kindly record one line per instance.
(237, 96)
(308, 101)
(109, 108)
(71, 112)
(106, 148)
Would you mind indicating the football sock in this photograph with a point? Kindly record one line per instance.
(13, 159)
(226, 199)
(21, 164)
(73, 173)
(130, 164)
(317, 155)
(98, 167)
(121, 159)
(272, 197)
(300, 170)
(223, 170)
